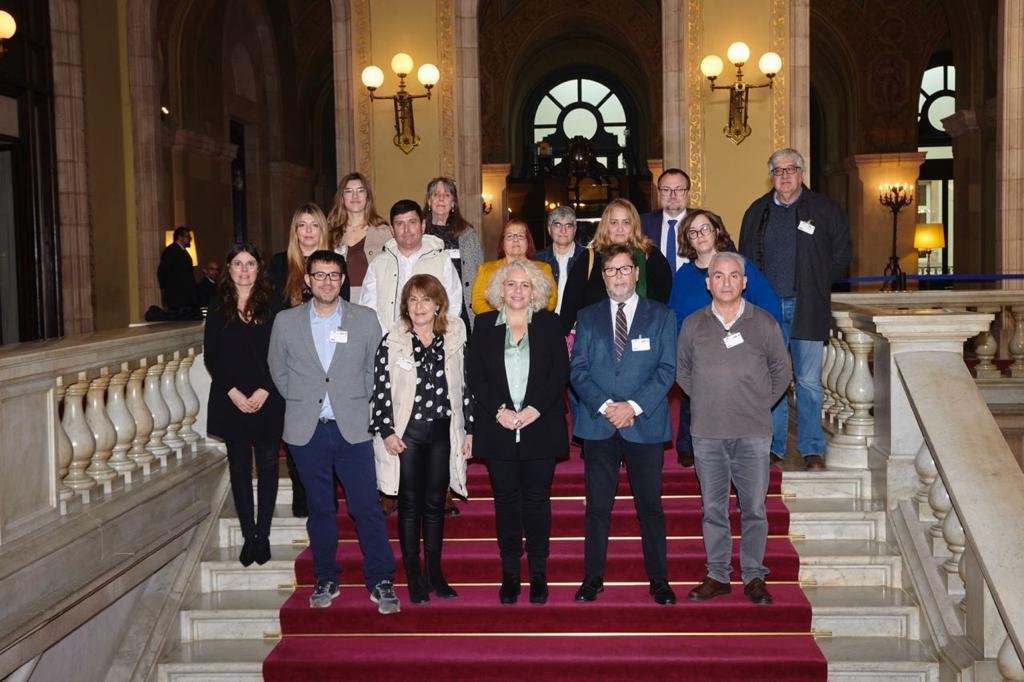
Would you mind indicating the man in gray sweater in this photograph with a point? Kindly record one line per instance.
(734, 366)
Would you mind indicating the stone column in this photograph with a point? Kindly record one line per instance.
(871, 223)
(494, 178)
(1009, 141)
(969, 166)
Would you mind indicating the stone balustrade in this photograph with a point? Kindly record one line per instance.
(921, 424)
(87, 417)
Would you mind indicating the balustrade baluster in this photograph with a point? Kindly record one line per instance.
(1009, 663)
(175, 406)
(1017, 342)
(845, 411)
(986, 347)
(828, 360)
(938, 498)
(956, 541)
(189, 399)
(833, 379)
(157, 408)
(103, 432)
(64, 450)
(142, 418)
(924, 465)
(80, 436)
(124, 426)
(860, 389)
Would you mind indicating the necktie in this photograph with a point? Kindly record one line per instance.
(620, 331)
(671, 247)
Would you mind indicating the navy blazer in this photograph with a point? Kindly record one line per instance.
(644, 377)
(650, 223)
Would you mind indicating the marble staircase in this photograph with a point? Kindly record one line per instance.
(870, 626)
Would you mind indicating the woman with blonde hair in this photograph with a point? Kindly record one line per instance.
(620, 224)
(515, 243)
(517, 371)
(357, 231)
(445, 221)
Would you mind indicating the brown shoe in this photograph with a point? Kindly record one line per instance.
(814, 462)
(388, 504)
(757, 592)
(450, 508)
(708, 588)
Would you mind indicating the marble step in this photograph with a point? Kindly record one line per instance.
(831, 483)
(814, 519)
(221, 572)
(864, 612)
(232, 615)
(848, 563)
(870, 659)
(214, 661)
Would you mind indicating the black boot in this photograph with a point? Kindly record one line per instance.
(418, 592)
(510, 588)
(433, 531)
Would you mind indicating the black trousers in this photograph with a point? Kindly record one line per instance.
(423, 483)
(684, 441)
(240, 458)
(522, 506)
(601, 472)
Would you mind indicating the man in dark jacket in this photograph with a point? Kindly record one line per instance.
(801, 241)
(177, 283)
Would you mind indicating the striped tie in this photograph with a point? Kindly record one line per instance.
(620, 331)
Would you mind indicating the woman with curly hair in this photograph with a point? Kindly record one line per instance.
(245, 408)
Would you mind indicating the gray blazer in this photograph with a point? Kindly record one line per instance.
(296, 370)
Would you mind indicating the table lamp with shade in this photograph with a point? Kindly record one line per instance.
(929, 236)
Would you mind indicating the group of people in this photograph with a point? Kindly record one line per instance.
(380, 353)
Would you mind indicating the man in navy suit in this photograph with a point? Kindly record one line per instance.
(663, 225)
(623, 364)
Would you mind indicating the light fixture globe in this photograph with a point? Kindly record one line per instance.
(7, 25)
(401, 64)
(738, 53)
(428, 75)
(711, 66)
(770, 63)
(373, 77)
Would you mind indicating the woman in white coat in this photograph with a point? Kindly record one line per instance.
(419, 414)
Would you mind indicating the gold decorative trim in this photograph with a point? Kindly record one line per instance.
(360, 33)
(574, 633)
(694, 84)
(446, 103)
(779, 108)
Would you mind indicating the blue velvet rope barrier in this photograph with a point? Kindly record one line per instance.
(936, 278)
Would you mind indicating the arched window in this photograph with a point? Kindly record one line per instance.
(935, 186)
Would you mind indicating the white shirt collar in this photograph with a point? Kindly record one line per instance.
(739, 314)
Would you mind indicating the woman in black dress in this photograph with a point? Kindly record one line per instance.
(245, 409)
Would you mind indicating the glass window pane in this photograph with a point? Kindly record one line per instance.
(540, 132)
(619, 132)
(612, 111)
(940, 109)
(579, 122)
(931, 81)
(566, 93)
(593, 92)
(951, 77)
(547, 113)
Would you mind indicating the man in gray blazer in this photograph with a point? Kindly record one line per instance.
(321, 359)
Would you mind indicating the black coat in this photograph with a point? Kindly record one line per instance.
(582, 289)
(177, 282)
(236, 357)
(545, 390)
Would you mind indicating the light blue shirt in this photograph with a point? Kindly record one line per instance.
(322, 328)
(517, 363)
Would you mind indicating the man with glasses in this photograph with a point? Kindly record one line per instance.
(623, 364)
(321, 359)
(662, 226)
(564, 250)
(800, 240)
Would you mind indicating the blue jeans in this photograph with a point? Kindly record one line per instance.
(328, 454)
(807, 359)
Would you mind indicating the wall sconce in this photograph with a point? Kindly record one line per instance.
(405, 128)
(7, 28)
(770, 64)
(895, 198)
(928, 236)
(192, 248)
(486, 203)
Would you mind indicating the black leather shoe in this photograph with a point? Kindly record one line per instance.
(708, 588)
(418, 593)
(538, 589)
(757, 592)
(591, 587)
(440, 586)
(261, 551)
(247, 555)
(510, 588)
(662, 593)
(685, 458)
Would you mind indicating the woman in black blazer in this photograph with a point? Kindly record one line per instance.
(620, 224)
(245, 409)
(517, 371)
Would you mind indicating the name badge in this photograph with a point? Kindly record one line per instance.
(805, 226)
(339, 336)
(641, 344)
(733, 339)
(405, 363)
(454, 254)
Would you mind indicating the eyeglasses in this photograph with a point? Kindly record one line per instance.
(788, 170)
(563, 226)
(244, 265)
(321, 276)
(673, 190)
(515, 237)
(622, 269)
(353, 191)
(699, 231)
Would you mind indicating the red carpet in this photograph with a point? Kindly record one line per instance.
(624, 635)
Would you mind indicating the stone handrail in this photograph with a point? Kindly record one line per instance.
(951, 483)
(90, 416)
